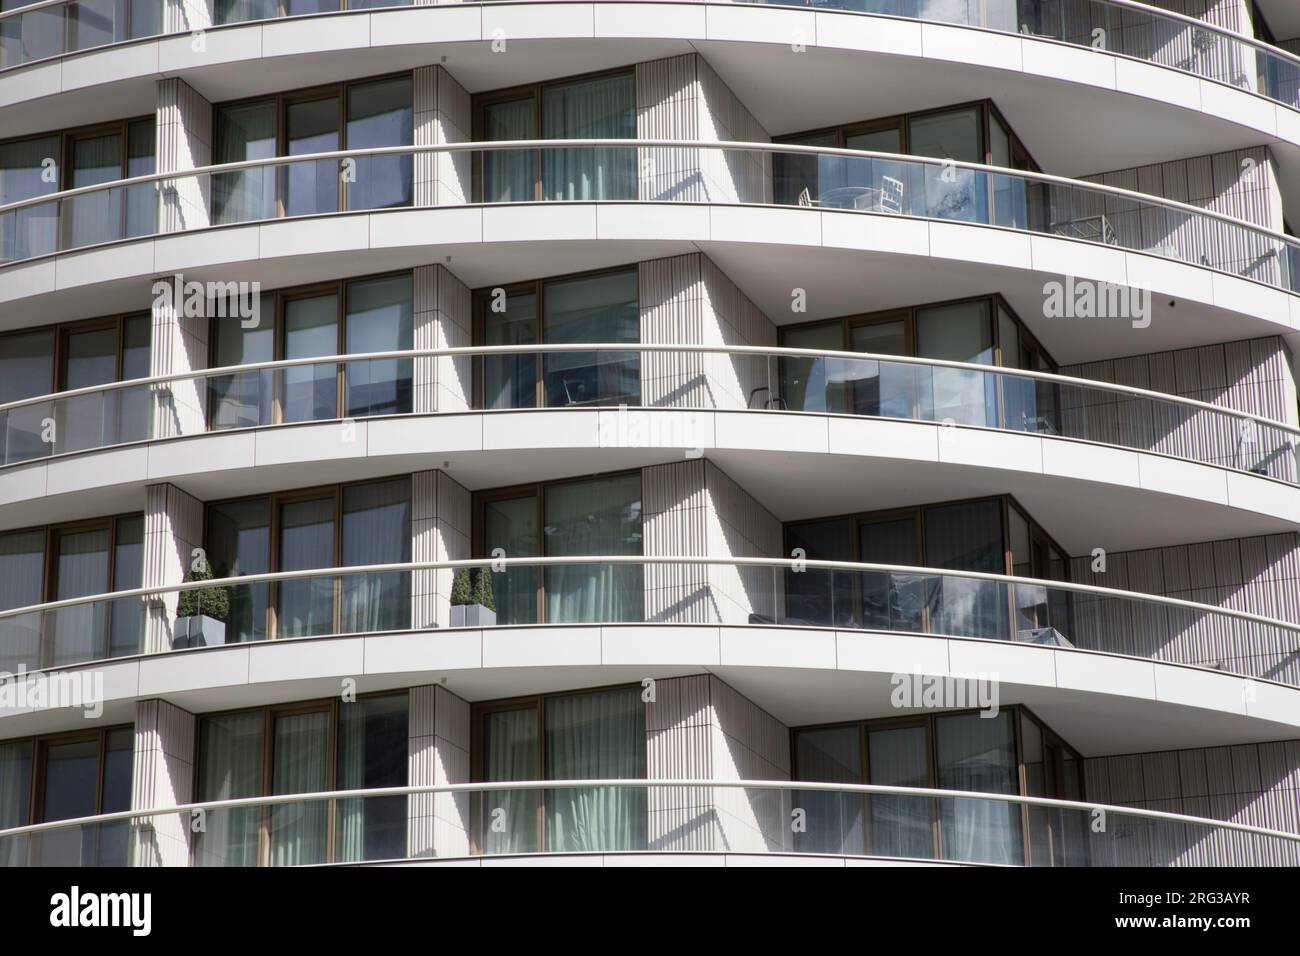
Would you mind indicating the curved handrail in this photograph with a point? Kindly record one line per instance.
(1226, 34)
(994, 211)
(1234, 437)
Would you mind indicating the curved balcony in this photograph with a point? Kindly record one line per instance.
(883, 186)
(663, 590)
(51, 28)
(567, 819)
(779, 381)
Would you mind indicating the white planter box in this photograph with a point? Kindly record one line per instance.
(472, 615)
(198, 631)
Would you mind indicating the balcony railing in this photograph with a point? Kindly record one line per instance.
(621, 816)
(666, 590)
(643, 376)
(655, 171)
(49, 28)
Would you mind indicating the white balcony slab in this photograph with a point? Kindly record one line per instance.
(1003, 661)
(179, 252)
(301, 443)
(780, 226)
(678, 222)
(101, 469)
(634, 20)
(1104, 674)
(759, 430)
(1065, 62)
(230, 45)
(290, 660)
(318, 34)
(90, 266)
(1246, 108)
(879, 34)
(1069, 257)
(109, 65)
(1263, 496)
(424, 435)
(194, 670)
(526, 21)
(1089, 462)
(965, 45)
(777, 647)
(1157, 83)
(202, 454)
(1185, 478)
(650, 646)
(971, 243)
(875, 233)
(977, 446)
(568, 429)
(761, 25)
(430, 652)
(1195, 687)
(442, 24)
(521, 223)
(891, 653)
(913, 441)
(536, 647)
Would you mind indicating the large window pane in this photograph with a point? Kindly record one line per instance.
(230, 767)
(798, 179)
(126, 630)
(978, 753)
(113, 840)
(30, 36)
(379, 114)
(379, 320)
(510, 752)
(306, 605)
(891, 601)
(876, 388)
(372, 828)
(818, 596)
(900, 826)
(376, 530)
(597, 517)
(26, 371)
(310, 328)
(130, 406)
(70, 775)
(805, 386)
(240, 11)
(511, 524)
(951, 193)
(312, 127)
(15, 789)
(245, 132)
(239, 543)
(600, 108)
(601, 308)
(88, 421)
(244, 399)
(81, 569)
(141, 205)
(510, 381)
(509, 174)
(95, 217)
(300, 765)
(834, 820)
(28, 168)
(959, 333)
(598, 736)
(967, 537)
(22, 584)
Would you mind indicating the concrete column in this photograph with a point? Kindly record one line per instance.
(183, 142)
(442, 319)
(163, 772)
(442, 115)
(440, 531)
(173, 528)
(438, 754)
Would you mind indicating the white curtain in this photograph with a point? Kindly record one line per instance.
(603, 108)
(301, 756)
(350, 823)
(900, 825)
(22, 564)
(508, 173)
(594, 737)
(306, 605)
(376, 530)
(509, 817)
(230, 767)
(80, 631)
(97, 216)
(978, 753)
(15, 785)
(31, 231)
(596, 517)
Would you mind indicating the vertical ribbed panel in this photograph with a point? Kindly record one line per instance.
(173, 528)
(438, 754)
(1258, 575)
(1252, 376)
(441, 315)
(1251, 783)
(699, 727)
(689, 300)
(442, 114)
(162, 776)
(440, 531)
(183, 141)
(186, 16)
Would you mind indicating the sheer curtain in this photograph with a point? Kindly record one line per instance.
(967, 537)
(26, 371)
(15, 786)
(830, 755)
(306, 605)
(243, 400)
(600, 108)
(511, 524)
(510, 381)
(22, 569)
(597, 517)
(509, 817)
(299, 766)
(379, 319)
(377, 530)
(371, 828)
(95, 217)
(596, 736)
(900, 825)
(82, 569)
(230, 767)
(239, 542)
(126, 627)
(245, 132)
(978, 753)
(508, 173)
(31, 231)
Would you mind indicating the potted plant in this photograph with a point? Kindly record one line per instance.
(201, 613)
(471, 599)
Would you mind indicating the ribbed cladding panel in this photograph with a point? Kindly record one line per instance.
(440, 531)
(667, 107)
(1251, 783)
(442, 114)
(438, 754)
(441, 316)
(184, 16)
(673, 503)
(1252, 376)
(678, 742)
(183, 141)
(173, 528)
(1241, 183)
(162, 776)
(1259, 575)
(730, 176)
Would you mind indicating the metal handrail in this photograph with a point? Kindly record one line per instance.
(754, 350)
(794, 564)
(625, 783)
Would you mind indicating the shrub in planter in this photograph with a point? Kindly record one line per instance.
(471, 599)
(201, 613)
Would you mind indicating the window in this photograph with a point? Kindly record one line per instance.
(285, 750)
(981, 535)
(593, 516)
(35, 362)
(594, 107)
(597, 735)
(961, 331)
(358, 524)
(63, 777)
(974, 133)
(358, 115)
(595, 308)
(951, 751)
(69, 561)
(355, 317)
(241, 11)
(89, 23)
(39, 165)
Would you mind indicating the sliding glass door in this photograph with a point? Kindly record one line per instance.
(587, 736)
(26, 371)
(975, 752)
(83, 776)
(299, 764)
(305, 606)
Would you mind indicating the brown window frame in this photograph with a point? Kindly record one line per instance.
(59, 332)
